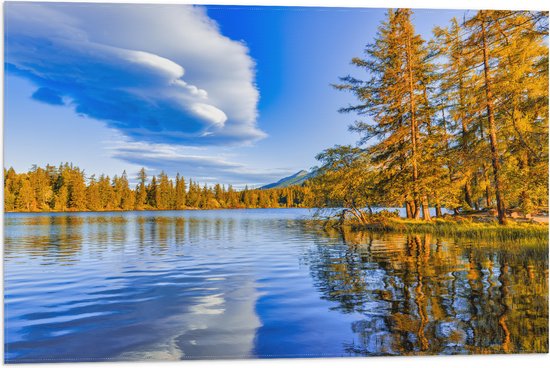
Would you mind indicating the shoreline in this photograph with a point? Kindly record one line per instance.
(459, 228)
(167, 210)
(448, 226)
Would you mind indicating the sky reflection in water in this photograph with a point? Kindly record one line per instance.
(259, 283)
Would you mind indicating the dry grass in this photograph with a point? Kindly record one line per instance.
(459, 228)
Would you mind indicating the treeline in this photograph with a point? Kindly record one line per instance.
(459, 121)
(66, 188)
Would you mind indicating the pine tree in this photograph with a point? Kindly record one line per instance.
(141, 190)
(180, 192)
(40, 183)
(484, 40)
(232, 198)
(513, 100)
(61, 198)
(456, 102)
(392, 97)
(92, 195)
(76, 189)
(522, 109)
(106, 192)
(10, 181)
(25, 196)
(219, 195)
(193, 195)
(153, 195)
(127, 200)
(165, 192)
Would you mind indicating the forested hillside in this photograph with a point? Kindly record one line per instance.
(66, 188)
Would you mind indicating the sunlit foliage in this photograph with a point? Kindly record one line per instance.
(460, 121)
(66, 188)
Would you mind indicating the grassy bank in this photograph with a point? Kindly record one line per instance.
(459, 228)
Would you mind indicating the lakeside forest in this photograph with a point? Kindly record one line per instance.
(66, 188)
(459, 121)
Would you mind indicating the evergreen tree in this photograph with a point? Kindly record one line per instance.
(106, 192)
(193, 195)
(521, 91)
(457, 100)
(127, 200)
(398, 71)
(153, 195)
(141, 190)
(180, 192)
(117, 186)
(40, 183)
(10, 182)
(93, 196)
(510, 61)
(25, 197)
(165, 192)
(76, 189)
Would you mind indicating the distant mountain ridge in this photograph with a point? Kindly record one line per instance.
(295, 179)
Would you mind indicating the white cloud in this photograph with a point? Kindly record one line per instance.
(194, 163)
(156, 73)
(209, 113)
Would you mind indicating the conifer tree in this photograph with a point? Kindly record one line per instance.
(127, 200)
(180, 192)
(40, 183)
(76, 189)
(153, 193)
(141, 190)
(193, 195)
(514, 106)
(25, 196)
(456, 102)
(92, 195)
(397, 67)
(165, 192)
(106, 192)
(10, 181)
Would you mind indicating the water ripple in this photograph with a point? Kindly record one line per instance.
(191, 284)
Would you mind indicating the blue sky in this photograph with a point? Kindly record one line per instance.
(236, 95)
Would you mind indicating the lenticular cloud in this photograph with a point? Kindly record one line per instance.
(161, 74)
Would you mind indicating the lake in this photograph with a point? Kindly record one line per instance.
(259, 284)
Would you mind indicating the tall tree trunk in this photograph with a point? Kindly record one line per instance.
(524, 197)
(475, 182)
(464, 124)
(467, 195)
(414, 137)
(488, 198)
(438, 212)
(495, 157)
(417, 208)
(425, 209)
(408, 209)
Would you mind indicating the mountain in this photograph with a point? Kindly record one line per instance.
(295, 179)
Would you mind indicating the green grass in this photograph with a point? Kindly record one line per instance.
(459, 228)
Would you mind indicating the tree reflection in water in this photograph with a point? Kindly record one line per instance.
(424, 295)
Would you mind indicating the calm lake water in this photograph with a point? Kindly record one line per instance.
(259, 283)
